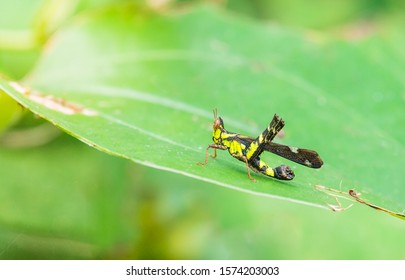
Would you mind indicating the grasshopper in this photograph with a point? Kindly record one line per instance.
(248, 149)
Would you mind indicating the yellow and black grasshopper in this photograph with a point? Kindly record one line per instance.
(248, 149)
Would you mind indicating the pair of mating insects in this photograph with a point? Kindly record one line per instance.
(248, 149)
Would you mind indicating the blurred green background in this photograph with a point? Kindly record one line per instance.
(62, 199)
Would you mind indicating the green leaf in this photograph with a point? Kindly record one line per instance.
(64, 196)
(142, 86)
(10, 111)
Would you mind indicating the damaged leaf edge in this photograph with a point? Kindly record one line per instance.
(353, 196)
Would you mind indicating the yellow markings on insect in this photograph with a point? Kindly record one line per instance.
(252, 148)
(216, 134)
(236, 148)
(248, 149)
(269, 171)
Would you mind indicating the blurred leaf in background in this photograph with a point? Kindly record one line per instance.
(58, 200)
(18, 45)
(75, 202)
(320, 15)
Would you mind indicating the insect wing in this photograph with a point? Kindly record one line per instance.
(305, 157)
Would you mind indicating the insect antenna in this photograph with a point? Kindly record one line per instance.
(215, 111)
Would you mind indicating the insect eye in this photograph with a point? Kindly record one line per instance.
(218, 123)
(221, 122)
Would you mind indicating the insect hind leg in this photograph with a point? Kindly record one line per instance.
(273, 129)
(256, 147)
(282, 172)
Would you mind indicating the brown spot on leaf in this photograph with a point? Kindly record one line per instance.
(53, 103)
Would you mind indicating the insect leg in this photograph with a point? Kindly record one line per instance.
(215, 153)
(282, 172)
(214, 146)
(256, 147)
(248, 169)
